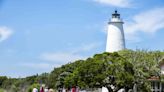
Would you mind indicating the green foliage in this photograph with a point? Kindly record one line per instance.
(13, 89)
(145, 64)
(1, 90)
(8, 83)
(35, 85)
(103, 69)
(42, 79)
(2, 79)
(55, 80)
(122, 69)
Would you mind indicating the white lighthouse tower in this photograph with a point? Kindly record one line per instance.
(115, 35)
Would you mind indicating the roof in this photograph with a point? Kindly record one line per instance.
(154, 78)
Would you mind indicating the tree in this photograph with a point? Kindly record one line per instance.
(35, 85)
(2, 79)
(145, 64)
(1, 90)
(103, 70)
(123, 69)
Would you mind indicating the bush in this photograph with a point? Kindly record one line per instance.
(1, 90)
(36, 85)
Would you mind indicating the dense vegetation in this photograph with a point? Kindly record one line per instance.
(124, 69)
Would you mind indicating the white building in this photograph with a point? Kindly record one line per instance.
(156, 81)
(115, 35)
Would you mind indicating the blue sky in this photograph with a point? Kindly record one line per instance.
(38, 35)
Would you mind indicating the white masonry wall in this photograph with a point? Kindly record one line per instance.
(115, 36)
(162, 69)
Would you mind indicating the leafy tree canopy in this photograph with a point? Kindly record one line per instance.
(122, 69)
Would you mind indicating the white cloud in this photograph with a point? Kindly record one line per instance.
(148, 22)
(68, 56)
(86, 47)
(49, 60)
(61, 58)
(37, 65)
(5, 33)
(117, 3)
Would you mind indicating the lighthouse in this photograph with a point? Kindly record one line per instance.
(115, 34)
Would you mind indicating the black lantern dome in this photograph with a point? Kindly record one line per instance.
(116, 15)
